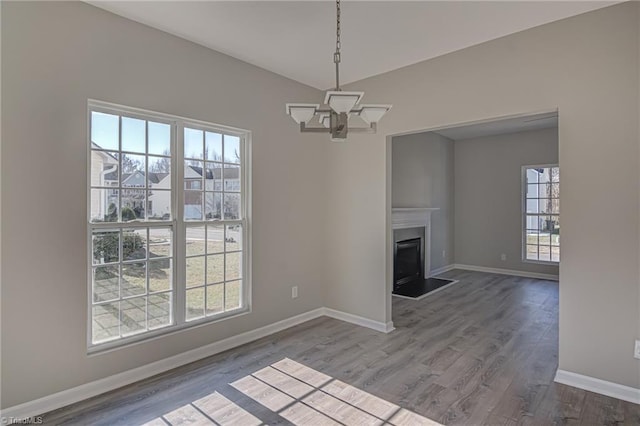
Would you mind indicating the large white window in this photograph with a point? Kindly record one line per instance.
(541, 214)
(168, 223)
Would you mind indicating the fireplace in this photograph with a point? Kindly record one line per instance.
(407, 261)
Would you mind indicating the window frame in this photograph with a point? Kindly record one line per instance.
(523, 207)
(177, 224)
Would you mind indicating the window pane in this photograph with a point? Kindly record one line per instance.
(195, 240)
(545, 190)
(158, 205)
(106, 322)
(545, 205)
(195, 303)
(193, 143)
(532, 175)
(160, 242)
(233, 266)
(544, 175)
(159, 172)
(134, 244)
(159, 275)
(544, 253)
(159, 138)
(215, 239)
(214, 177)
(215, 299)
(532, 191)
(215, 268)
(555, 190)
(532, 237)
(231, 149)
(105, 130)
(106, 283)
(232, 295)
(555, 206)
(104, 205)
(231, 177)
(134, 279)
(231, 206)
(133, 314)
(555, 239)
(106, 247)
(532, 222)
(193, 171)
(104, 168)
(159, 310)
(193, 205)
(133, 135)
(532, 252)
(133, 171)
(533, 205)
(213, 143)
(555, 254)
(213, 205)
(132, 203)
(195, 271)
(233, 238)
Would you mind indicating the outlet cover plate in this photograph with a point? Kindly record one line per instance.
(636, 352)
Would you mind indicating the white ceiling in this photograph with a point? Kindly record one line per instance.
(501, 126)
(297, 38)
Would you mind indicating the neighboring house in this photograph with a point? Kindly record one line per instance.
(156, 202)
(104, 169)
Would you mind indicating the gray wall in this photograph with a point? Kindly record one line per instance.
(587, 67)
(423, 177)
(54, 57)
(488, 197)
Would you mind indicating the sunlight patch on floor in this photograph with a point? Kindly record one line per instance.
(296, 393)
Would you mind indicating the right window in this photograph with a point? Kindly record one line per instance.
(541, 213)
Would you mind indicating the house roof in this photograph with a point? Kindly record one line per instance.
(216, 173)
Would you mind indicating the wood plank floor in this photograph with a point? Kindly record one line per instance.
(483, 351)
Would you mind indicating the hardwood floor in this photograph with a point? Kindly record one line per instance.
(483, 351)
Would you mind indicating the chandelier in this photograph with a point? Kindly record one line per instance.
(338, 106)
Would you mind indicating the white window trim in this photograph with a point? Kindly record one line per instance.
(177, 223)
(523, 214)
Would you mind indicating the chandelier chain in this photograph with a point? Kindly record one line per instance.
(336, 55)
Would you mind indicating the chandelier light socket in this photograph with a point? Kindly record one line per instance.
(342, 102)
(373, 113)
(325, 120)
(302, 113)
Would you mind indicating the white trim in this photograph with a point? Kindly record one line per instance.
(603, 387)
(442, 270)
(358, 320)
(501, 271)
(98, 387)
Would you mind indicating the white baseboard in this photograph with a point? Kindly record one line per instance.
(88, 390)
(500, 271)
(591, 384)
(361, 321)
(442, 270)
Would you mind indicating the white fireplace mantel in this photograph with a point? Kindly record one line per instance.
(416, 217)
(412, 217)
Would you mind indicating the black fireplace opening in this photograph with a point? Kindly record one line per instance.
(407, 264)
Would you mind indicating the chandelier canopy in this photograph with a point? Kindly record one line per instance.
(339, 106)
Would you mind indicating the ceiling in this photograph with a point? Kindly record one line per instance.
(297, 38)
(502, 126)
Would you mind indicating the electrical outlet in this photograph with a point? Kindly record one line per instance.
(636, 352)
(294, 292)
(503, 257)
